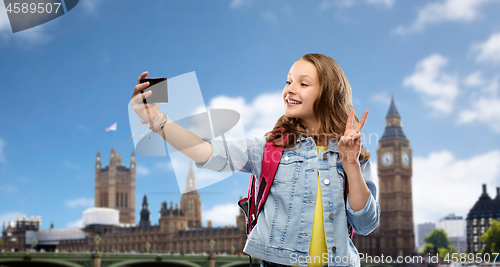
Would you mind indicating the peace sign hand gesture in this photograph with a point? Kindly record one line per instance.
(350, 143)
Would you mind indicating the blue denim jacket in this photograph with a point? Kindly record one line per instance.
(283, 231)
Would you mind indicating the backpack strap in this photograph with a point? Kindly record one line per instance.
(270, 162)
(350, 231)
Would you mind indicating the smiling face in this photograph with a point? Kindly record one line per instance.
(301, 90)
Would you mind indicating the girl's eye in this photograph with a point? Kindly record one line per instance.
(288, 82)
(303, 84)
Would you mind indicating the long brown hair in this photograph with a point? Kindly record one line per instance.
(335, 95)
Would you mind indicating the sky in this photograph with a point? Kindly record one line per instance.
(74, 77)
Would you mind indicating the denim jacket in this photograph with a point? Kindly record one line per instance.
(283, 231)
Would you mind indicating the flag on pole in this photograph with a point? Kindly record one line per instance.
(111, 128)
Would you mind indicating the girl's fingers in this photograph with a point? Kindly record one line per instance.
(142, 76)
(348, 126)
(138, 99)
(138, 88)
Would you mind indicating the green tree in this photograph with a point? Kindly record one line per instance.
(491, 238)
(438, 238)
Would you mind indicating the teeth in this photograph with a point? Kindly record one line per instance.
(292, 102)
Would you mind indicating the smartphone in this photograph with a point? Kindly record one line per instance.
(159, 88)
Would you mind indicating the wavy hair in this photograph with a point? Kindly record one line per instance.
(331, 107)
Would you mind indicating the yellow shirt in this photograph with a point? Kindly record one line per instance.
(318, 242)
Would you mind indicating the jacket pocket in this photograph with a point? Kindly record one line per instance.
(289, 168)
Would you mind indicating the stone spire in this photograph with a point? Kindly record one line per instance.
(190, 179)
(393, 126)
(145, 219)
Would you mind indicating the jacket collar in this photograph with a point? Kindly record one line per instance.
(332, 146)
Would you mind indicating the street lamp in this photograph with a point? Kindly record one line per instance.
(97, 239)
(148, 246)
(232, 249)
(212, 244)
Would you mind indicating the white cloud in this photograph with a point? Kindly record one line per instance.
(270, 16)
(488, 50)
(441, 11)
(141, 170)
(454, 183)
(77, 223)
(485, 104)
(221, 215)
(484, 110)
(475, 79)
(2, 153)
(80, 202)
(382, 98)
(259, 116)
(9, 217)
(438, 89)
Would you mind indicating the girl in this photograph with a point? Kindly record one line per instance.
(304, 221)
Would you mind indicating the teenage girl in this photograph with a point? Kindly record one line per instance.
(305, 220)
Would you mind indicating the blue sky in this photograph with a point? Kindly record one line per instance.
(67, 80)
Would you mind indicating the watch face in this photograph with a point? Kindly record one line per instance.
(387, 159)
(405, 159)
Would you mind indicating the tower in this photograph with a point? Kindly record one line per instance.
(115, 186)
(395, 190)
(191, 201)
(145, 219)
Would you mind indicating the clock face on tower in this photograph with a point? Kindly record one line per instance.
(387, 159)
(405, 159)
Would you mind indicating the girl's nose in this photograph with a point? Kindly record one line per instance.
(290, 89)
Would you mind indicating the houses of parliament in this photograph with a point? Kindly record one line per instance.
(179, 228)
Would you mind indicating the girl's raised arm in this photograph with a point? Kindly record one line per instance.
(178, 137)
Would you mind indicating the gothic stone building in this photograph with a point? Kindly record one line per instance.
(479, 219)
(179, 229)
(115, 186)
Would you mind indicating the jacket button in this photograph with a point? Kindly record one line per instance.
(326, 181)
(325, 156)
(286, 158)
(334, 249)
(330, 216)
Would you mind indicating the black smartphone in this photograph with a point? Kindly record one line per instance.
(159, 88)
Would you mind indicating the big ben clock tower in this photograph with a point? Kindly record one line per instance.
(395, 192)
